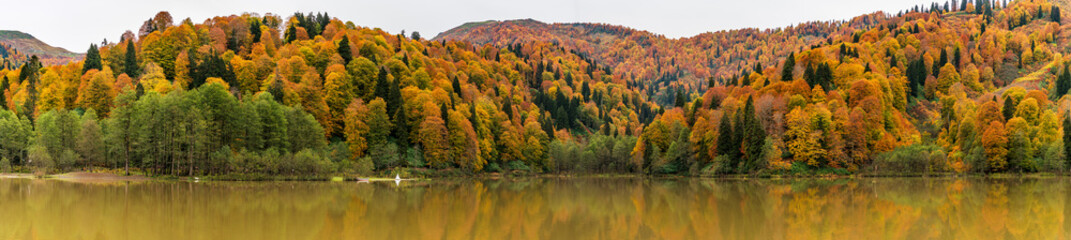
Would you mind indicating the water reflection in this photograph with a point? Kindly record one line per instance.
(622, 208)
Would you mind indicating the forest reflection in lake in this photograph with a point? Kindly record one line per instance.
(541, 208)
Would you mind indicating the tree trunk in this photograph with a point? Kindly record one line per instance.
(126, 160)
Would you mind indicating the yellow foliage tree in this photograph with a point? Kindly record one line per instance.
(153, 79)
(802, 141)
(947, 77)
(995, 142)
(356, 129)
(100, 93)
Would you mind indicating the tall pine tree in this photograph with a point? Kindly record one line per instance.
(3, 89)
(725, 136)
(291, 33)
(344, 49)
(394, 97)
(507, 107)
(1067, 139)
(92, 59)
(31, 73)
(457, 86)
(754, 138)
(401, 129)
(1055, 14)
(737, 138)
(1063, 83)
(130, 62)
(444, 114)
(679, 99)
(790, 64)
(474, 119)
(1009, 108)
(382, 88)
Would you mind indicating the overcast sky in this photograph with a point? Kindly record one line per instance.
(75, 24)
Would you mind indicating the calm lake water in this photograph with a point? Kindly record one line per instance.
(615, 208)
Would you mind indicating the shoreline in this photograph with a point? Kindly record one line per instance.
(80, 177)
(102, 177)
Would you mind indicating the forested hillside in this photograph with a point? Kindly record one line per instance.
(910, 92)
(312, 94)
(959, 87)
(652, 63)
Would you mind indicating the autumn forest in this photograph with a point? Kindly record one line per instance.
(958, 87)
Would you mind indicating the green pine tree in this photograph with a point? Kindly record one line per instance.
(507, 107)
(3, 88)
(725, 136)
(382, 88)
(401, 129)
(444, 114)
(394, 98)
(737, 138)
(754, 139)
(790, 64)
(1067, 139)
(130, 63)
(1009, 108)
(291, 33)
(474, 119)
(30, 72)
(1055, 14)
(344, 49)
(92, 60)
(457, 86)
(1063, 83)
(679, 99)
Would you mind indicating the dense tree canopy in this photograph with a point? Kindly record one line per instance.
(980, 90)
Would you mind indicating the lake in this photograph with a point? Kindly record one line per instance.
(579, 208)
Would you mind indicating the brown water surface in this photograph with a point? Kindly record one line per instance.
(597, 208)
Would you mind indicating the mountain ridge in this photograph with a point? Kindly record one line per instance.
(647, 58)
(29, 45)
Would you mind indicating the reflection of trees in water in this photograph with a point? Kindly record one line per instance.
(578, 208)
(162, 210)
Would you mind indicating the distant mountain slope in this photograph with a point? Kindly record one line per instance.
(28, 45)
(985, 83)
(655, 63)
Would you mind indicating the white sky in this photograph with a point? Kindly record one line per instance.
(74, 24)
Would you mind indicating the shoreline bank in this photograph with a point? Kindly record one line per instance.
(105, 177)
